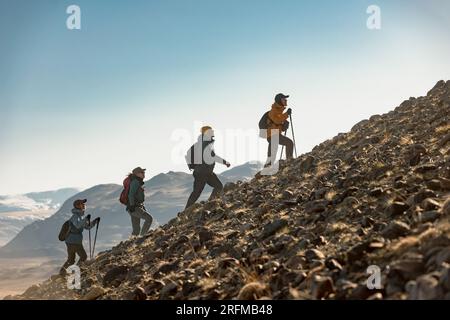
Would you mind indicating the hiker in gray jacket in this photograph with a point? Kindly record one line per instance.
(74, 240)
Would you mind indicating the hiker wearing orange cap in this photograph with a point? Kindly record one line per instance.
(202, 159)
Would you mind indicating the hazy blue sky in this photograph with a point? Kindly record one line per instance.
(84, 107)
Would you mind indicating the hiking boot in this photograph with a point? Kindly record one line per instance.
(62, 272)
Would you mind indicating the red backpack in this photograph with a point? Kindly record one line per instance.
(126, 189)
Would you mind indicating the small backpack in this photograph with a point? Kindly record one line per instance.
(65, 230)
(264, 122)
(189, 157)
(126, 189)
(264, 125)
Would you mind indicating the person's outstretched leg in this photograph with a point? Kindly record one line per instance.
(148, 219)
(70, 259)
(285, 141)
(216, 184)
(272, 150)
(79, 249)
(135, 223)
(199, 185)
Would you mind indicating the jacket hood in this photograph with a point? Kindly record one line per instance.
(77, 211)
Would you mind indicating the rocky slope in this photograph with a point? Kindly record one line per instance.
(377, 195)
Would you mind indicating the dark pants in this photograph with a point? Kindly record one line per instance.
(72, 251)
(284, 141)
(200, 180)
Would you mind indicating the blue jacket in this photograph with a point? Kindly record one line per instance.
(77, 224)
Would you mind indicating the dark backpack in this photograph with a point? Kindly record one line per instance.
(126, 189)
(264, 122)
(189, 158)
(65, 230)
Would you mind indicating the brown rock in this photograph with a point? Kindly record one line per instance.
(168, 290)
(430, 216)
(446, 207)
(139, 294)
(322, 287)
(425, 287)
(430, 204)
(205, 235)
(94, 293)
(271, 228)
(434, 184)
(395, 229)
(397, 208)
(314, 254)
(115, 274)
(445, 279)
(253, 291)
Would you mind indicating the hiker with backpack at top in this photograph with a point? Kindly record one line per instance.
(273, 124)
(72, 234)
(202, 159)
(133, 197)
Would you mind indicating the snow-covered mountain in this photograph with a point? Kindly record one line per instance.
(36, 201)
(18, 211)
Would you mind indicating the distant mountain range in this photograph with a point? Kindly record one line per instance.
(166, 195)
(36, 200)
(17, 211)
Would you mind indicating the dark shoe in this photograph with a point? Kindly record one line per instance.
(62, 272)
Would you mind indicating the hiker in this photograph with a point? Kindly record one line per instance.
(135, 202)
(202, 159)
(74, 238)
(276, 124)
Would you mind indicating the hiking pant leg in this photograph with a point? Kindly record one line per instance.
(289, 144)
(199, 185)
(79, 249)
(273, 144)
(216, 184)
(135, 224)
(142, 213)
(70, 257)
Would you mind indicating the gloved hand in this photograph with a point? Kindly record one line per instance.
(97, 220)
(88, 217)
(289, 111)
(132, 208)
(228, 164)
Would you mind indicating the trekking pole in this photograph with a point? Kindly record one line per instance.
(95, 238)
(89, 222)
(293, 136)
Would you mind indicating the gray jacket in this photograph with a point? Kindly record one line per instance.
(77, 224)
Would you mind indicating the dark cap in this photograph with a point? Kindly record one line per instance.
(280, 96)
(138, 170)
(76, 203)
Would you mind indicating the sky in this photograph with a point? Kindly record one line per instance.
(134, 85)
